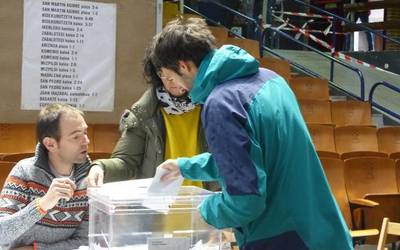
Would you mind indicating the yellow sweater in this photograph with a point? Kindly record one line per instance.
(182, 137)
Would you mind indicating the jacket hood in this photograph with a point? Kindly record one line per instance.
(220, 65)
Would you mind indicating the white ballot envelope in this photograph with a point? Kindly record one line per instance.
(169, 188)
(157, 188)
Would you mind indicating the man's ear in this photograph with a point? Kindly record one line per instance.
(50, 144)
(184, 67)
(187, 67)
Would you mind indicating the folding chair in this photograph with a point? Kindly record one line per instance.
(388, 227)
(372, 180)
(334, 171)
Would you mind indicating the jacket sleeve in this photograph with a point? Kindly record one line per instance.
(201, 167)
(78, 238)
(17, 213)
(127, 155)
(238, 158)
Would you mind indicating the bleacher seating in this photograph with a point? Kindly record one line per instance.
(316, 111)
(389, 141)
(310, 88)
(372, 179)
(281, 67)
(346, 113)
(334, 170)
(323, 137)
(5, 168)
(251, 46)
(99, 155)
(105, 137)
(17, 138)
(220, 34)
(357, 141)
(15, 157)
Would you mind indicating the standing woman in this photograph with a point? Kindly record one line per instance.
(162, 124)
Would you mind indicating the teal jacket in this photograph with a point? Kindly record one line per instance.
(274, 191)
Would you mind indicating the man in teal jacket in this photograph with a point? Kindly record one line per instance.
(274, 192)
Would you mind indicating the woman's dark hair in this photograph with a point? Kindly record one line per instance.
(150, 73)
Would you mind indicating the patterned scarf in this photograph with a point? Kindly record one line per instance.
(174, 105)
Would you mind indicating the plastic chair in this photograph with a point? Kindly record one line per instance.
(324, 140)
(357, 141)
(315, 111)
(310, 88)
(388, 227)
(389, 141)
(279, 66)
(345, 113)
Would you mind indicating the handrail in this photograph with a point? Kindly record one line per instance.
(371, 94)
(359, 73)
(308, 71)
(364, 27)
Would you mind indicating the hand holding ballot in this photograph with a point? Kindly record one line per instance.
(167, 179)
(172, 173)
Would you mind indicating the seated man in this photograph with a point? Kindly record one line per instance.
(43, 204)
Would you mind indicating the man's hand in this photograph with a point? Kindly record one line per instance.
(173, 170)
(96, 176)
(60, 188)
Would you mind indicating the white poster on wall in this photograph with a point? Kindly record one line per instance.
(68, 54)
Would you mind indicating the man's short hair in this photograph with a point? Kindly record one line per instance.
(182, 39)
(48, 124)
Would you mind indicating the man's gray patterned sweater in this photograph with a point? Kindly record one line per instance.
(21, 224)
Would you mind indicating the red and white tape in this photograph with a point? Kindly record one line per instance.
(302, 14)
(315, 31)
(307, 34)
(356, 61)
(328, 46)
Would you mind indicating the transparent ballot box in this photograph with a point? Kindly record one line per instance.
(122, 215)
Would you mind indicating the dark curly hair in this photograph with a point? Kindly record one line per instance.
(186, 39)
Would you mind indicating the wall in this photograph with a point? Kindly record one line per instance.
(135, 28)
